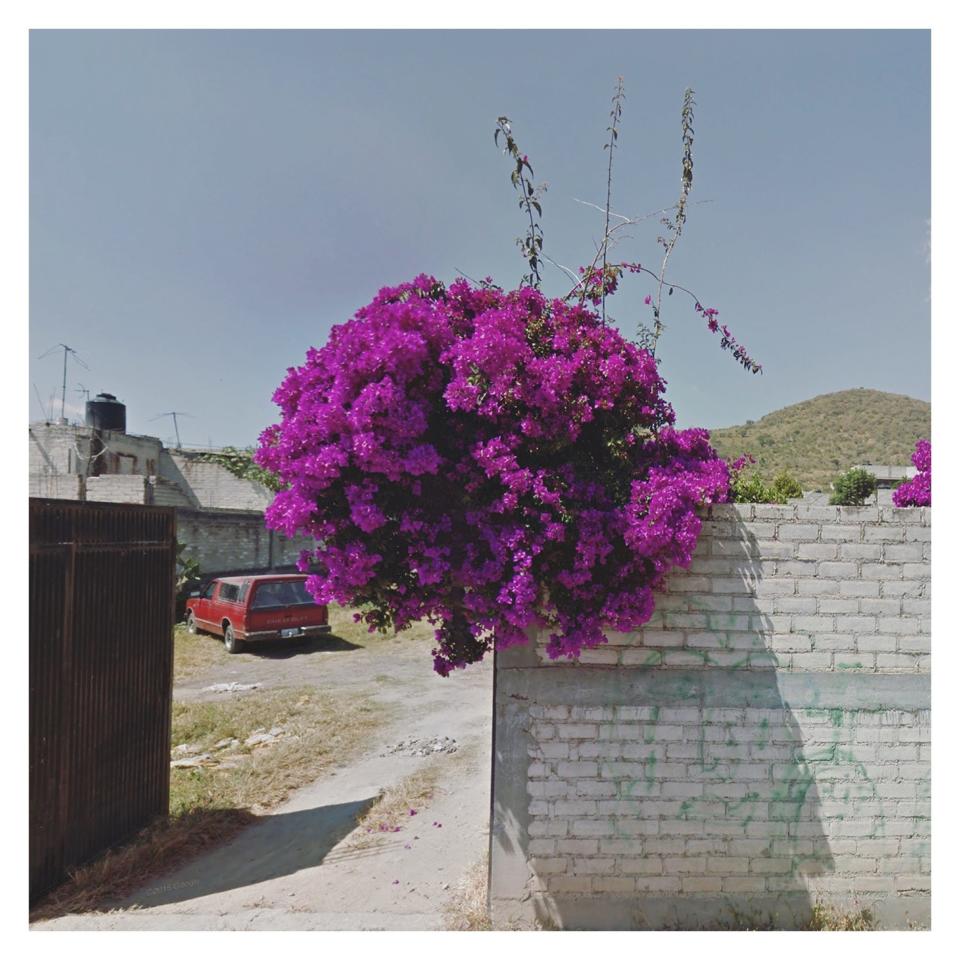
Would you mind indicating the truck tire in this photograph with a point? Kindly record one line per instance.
(230, 640)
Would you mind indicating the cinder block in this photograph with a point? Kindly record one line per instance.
(818, 551)
(679, 865)
(834, 605)
(840, 569)
(859, 625)
(797, 531)
(896, 663)
(701, 885)
(593, 865)
(868, 514)
(613, 885)
(775, 550)
(843, 533)
(817, 624)
(744, 884)
(860, 588)
(904, 588)
(883, 533)
(797, 568)
(770, 865)
(795, 605)
(542, 847)
(769, 511)
(647, 866)
(819, 587)
(558, 883)
(860, 551)
(882, 571)
(824, 514)
(776, 587)
(903, 552)
(577, 731)
(658, 884)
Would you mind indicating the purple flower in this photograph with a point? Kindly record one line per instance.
(916, 492)
(489, 461)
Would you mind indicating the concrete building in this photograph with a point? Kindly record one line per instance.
(219, 515)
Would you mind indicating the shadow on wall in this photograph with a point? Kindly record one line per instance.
(681, 793)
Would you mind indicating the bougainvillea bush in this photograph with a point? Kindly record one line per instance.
(488, 460)
(916, 491)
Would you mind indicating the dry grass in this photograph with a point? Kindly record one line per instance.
(467, 908)
(319, 730)
(196, 654)
(825, 917)
(156, 849)
(392, 808)
(208, 805)
(343, 626)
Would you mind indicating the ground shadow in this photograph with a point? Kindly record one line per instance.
(284, 650)
(275, 846)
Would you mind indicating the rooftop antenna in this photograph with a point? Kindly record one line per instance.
(86, 393)
(63, 394)
(174, 414)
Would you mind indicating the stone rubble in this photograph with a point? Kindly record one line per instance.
(424, 747)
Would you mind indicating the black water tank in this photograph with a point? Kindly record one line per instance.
(106, 412)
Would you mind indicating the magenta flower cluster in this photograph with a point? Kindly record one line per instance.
(916, 491)
(491, 461)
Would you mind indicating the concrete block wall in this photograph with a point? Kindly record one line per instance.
(119, 488)
(235, 541)
(211, 485)
(761, 745)
(57, 486)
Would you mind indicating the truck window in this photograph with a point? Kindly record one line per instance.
(286, 593)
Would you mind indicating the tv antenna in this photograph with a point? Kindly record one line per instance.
(63, 393)
(174, 414)
(82, 389)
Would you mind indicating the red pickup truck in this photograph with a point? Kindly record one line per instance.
(269, 607)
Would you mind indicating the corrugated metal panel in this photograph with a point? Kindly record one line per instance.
(101, 668)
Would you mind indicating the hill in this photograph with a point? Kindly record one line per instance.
(820, 438)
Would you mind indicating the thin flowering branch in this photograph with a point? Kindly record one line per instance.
(727, 339)
(675, 225)
(531, 246)
(615, 113)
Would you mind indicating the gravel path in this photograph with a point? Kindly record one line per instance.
(303, 866)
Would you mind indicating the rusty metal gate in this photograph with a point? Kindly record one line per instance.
(101, 667)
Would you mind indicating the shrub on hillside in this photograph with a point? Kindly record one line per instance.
(751, 488)
(785, 487)
(853, 488)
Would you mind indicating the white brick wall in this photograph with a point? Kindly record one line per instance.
(776, 593)
(751, 746)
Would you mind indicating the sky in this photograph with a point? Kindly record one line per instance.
(205, 206)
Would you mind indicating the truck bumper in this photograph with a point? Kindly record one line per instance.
(315, 631)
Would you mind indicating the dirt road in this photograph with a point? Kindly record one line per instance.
(304, 865)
